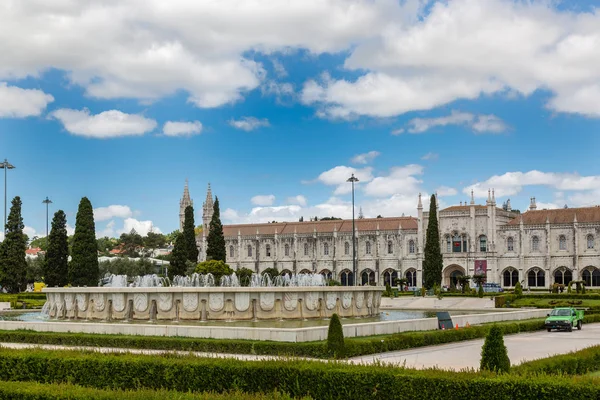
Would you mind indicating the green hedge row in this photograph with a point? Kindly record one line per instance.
(41, 391)
(298, 378)
(574, 363)
(563, 296)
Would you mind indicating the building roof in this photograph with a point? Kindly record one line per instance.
(33, 250)
(464, 208)
(559, 216)
(284, 228)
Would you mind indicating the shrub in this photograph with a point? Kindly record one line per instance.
(494, 356)
(335, 338)
(244, 275)
(480, 291)
(574, 363)
(518, 289)
(215, 267)
(272, 272)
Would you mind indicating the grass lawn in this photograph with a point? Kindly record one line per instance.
(551, 303)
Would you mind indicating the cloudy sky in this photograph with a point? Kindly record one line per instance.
(277, 103)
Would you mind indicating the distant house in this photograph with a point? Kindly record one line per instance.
(117, 251)
(33, 252)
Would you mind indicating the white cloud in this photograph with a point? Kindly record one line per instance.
(479, 123)
(443, 191)
(31, 232)
(108, 231)
(398, 131)
(141, 227)
(401, 180)
(70, 230)
(279, 68)
(263, 200)
(365, 158)
(512, 183)
(107, 124)
(249, 123)
(339, 176)
(297, 200)
(283, 91)
(177, 128)
(112, 211)
(21, 103)
(430, 156)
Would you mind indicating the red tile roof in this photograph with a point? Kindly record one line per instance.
(283, 228)
(559, 216)
(33, 251)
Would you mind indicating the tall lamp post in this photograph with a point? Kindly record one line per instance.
(5, 165)
(47, 201)
(353, 179)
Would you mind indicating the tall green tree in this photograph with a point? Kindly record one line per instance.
(56, 267)
(131, 242)
(189, 235)
(178, 260)
(13, 266)
(83, 269)
(433, 261)
(494, 356)
(215, 247)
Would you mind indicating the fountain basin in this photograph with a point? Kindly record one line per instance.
(212, 303)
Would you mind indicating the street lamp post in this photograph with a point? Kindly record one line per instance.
(5, 165)
(353, 179)
(47, 201)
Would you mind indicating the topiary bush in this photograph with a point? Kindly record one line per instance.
(335, 338)
(494, 356)
(480, 291)
(518, 289)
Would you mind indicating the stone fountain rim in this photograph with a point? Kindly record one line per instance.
(217, 289)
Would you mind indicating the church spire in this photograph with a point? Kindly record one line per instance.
(185, 201)
(207, 211)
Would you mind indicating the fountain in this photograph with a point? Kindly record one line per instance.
(197, 297)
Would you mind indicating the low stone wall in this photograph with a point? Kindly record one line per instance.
(276, 334)
(212, 304)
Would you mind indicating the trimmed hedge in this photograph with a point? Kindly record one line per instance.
(574, 363)
(40, 391)
(353, 346)
(298, 378)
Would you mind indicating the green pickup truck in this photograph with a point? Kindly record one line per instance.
(564, 318)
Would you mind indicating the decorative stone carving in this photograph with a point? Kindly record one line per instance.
(190, 302)
(215, 301)
(118, 302)
(69, 301)
(290, 301)
(242, 301)
(331, 300)
(165, 301)
(347, 299)
(267, 301)
(311, 300)
(359, 299)
(81, 301)
(140, 302)
(99, 301)
(370, 299)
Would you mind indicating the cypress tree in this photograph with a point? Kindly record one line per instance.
(433, 262)
(178, 257)
(335, 338)
(494, 356)
(83, 269)
(13, 265)
(189, 235)
(56, 269)
(215, 248)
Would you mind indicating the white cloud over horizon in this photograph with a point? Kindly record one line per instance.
(249, 123)
(112, 211)
(478, 123)
(263, 200)
(181, 128)
(365, 158)
(107, 124)
(16, 102)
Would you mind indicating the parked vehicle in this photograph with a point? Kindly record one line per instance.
(564, 318)
(491, 288)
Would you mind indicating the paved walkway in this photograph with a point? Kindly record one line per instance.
(521, 347)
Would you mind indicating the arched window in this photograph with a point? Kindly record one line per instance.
(562, 242)
(326, 249)
(326, 274)
(510, 244)
(368, 248)
(390, 277)
(411, 246)
(510, 277)
(390, 247)
(535, 243)
(231, 251)
(411, 278)
(590, 241)
(286, 250)
(536, 278)
(367, 277)
(346, 248)
(448, 244)
(482, 243)
(249, 251)
(268, 250)
(591, 276)
(305, 249)
(563, 276)
(347, 278)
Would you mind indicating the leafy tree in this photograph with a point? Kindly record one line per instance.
(480, 291)
(479, 279)
(433, 262)
(189, 238)
(35, 269)
(131, 242)
(13, 266)
(154, 240)
(494, 356)
(106, 244)
(244, 275)
(170, 237)
(83, 269)
(198, 230)
(127, 266)
(217, 268)
(379, 216)
(335, 338)
(518, 289)
(39, 242)
(272, 272)
(215, 246)
(56, 267)
(330, 219)
(178, 257)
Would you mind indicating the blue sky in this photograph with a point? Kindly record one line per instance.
(277, 103)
